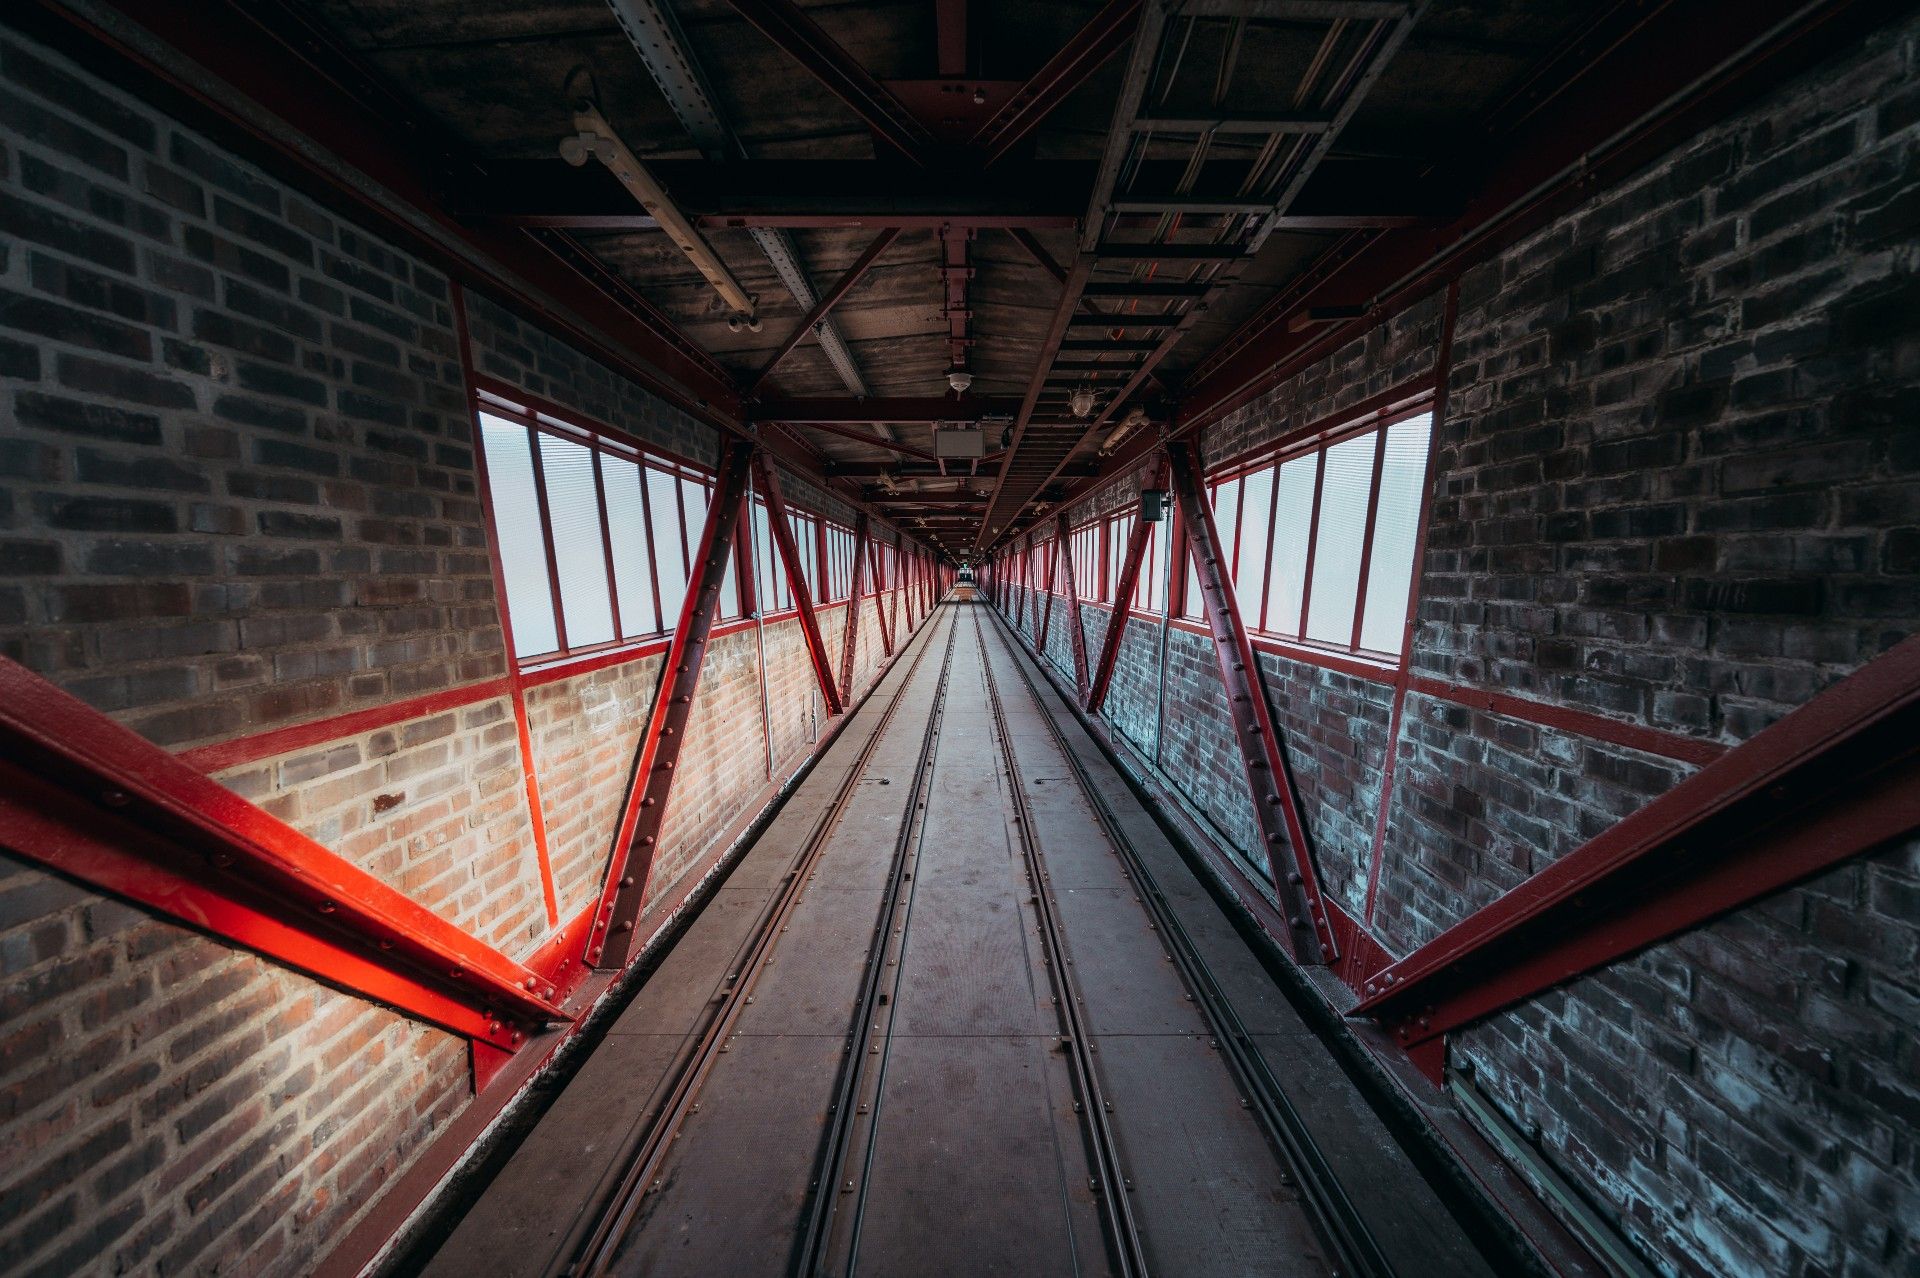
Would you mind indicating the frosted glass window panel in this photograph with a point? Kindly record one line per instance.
(1292, 527)
(669, 556)
(1340, 539)
(766, 576)
(1196, 606)
(1226, 517)
(573, 506)
(1250, 565)
(523, 545)
(1396, 531)
(627, 528)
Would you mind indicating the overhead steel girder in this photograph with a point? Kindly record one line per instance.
(769, 486)
(1122, 607)
(1104, 35)
(1076, 632)
(1836, 778)
(93, 800)
(614, 936)
(851, 639)
(817, 317)
(797, 35)
(883, 409)
(1269, 781)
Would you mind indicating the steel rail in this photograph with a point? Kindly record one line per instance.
(1328, 1206)
(1114, 1186)
(824, 1219)
(601, 1243)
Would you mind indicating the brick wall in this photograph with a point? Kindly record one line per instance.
(1676, 487)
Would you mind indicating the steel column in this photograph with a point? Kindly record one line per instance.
(1122, 609)
(1838, 777)
(1046, 613)
(769, 486)
(1269, 782)
(1077, 633)
(615, 933)
(94, 800)
(883, 595)
(855, 588)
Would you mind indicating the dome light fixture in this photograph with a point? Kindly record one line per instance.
(959, 379)
(1080, 403)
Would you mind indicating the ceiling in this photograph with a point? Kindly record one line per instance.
(1165, 178)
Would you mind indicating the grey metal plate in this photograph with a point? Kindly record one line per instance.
(815, 970)
(732, 1191)
(978, 1167)
(1127, 986)
(564, 1166)
(1207, 1188)
(969, 966)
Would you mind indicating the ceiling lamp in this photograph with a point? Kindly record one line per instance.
(1081, 402)
(959, 379)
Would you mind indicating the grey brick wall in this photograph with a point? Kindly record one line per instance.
(1679, 486)
(236, 479)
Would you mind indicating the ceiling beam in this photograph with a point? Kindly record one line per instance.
(828, 300)
(801, 38)
(878, 409)
(1104, 35)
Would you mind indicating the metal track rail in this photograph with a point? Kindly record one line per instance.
(609, 1229)
(1332, 1212)
(825, 1222)
(1113, 1185)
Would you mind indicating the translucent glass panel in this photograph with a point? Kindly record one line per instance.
(523, 544)
(670, 550)
(573, 507)
(1250, 564)
(1396, 531)
(627, 529)
(1339, 539)
(1119, 531)
(1292, 525)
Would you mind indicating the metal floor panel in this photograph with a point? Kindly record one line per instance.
(1206, 1185)
(733, 1207)
(808, 985)
(969, 967)
(977, 1167)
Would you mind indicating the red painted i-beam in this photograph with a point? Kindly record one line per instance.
(1838, 777)
(1275, 805)
(851, 642)
(1076, 633)
(1046, 607)
(612, 939)
(884, 595)
(769, 487)
(1122, 604)
(91, 799)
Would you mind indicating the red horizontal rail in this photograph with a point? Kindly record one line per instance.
(264, 745)
(1837, 777)
(94, 800)
(1634, 736)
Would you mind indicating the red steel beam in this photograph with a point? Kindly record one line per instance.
(1838, 777)
(1276, 807)
(855, 590)
(614, 936)
(883, 596)
(1122, 607)
(801, 38)
(1105, 34)
(1046, 607)
(1076, 633)
(828, 300)
(769, 486)
(94, 800)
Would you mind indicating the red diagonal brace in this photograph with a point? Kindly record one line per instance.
(1122, 606)
(1275, 805)
(1104, 34)
(94, 800)
(852, 640)
(884, 594)
(1076, 633)
(1838, 777)
(1046, 606)
(769, 485)
(615, 932)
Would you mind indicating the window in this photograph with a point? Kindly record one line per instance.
(595, 537)
(1086, 563)
(1322, 542)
